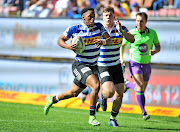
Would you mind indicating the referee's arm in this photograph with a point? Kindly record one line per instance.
(156, 50)
(121, 54)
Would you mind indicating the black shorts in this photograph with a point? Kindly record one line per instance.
(81, 73)
(111, 73)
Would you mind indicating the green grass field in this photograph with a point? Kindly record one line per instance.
(30, 118)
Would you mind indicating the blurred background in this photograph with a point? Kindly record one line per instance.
(32, 62)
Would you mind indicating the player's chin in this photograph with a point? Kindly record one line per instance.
(91, 24)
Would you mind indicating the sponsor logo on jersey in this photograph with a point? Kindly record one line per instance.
(91, 40)
(143, 48)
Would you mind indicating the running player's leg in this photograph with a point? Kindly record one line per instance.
(107, 85)
(73, 92)
(140, 88)
(118, 80)
(140, 74)
(93, 82)
(138, 78)
(130, 85)
(85, 92)
(86, 75)
(116, 104)
(108, 91)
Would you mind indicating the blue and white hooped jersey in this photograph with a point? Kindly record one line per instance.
(91, 53)
(110, 55)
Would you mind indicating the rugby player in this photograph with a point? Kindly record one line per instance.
(84, 66)
(109, 65)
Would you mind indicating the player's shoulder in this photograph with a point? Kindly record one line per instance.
(98, 24)
(151, 30)
(74, 28)
(77, 26)
(133, 30)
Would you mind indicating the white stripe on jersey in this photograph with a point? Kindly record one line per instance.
(90, 54)
(109, 59)
(110, 47)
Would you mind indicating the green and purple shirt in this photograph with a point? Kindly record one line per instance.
(139, 50)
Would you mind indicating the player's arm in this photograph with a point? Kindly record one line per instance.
(128, 36)
(157, 45)
(156, 50)
(106, 41)
(62, 43)
(122, 53)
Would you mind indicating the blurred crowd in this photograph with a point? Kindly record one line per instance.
(72, 8)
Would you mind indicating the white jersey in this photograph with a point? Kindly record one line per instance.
(91, 53)
(110, 55)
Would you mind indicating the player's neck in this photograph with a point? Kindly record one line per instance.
(109, 25)
(142, 29)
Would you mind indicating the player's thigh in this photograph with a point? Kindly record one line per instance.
(145, 85)
(104, 74)
(75, 89)
(92, 82)
(108, 86)
(138, 79)
(146, 71)
(106, 78)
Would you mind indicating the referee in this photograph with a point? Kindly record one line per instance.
(140, 56)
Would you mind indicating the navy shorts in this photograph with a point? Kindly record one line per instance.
(81, 73)
(111, 73)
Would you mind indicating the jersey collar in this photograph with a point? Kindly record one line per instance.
(146, 31)
(84, 25)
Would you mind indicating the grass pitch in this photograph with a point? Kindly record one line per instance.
(30, 118)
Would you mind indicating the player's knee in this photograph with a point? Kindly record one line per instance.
(111, 94)
(140, 85)
(108, 93)
(96, 87)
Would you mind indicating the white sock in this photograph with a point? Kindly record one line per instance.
(112, 117)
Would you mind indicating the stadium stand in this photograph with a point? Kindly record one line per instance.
(72, 8)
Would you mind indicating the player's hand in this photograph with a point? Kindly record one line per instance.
(99, 42)
(118, 25)
(152, 52)
(71, 46)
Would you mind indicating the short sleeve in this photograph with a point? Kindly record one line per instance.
(156, 40)
(70, 31)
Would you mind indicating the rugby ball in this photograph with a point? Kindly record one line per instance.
(80, 44)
